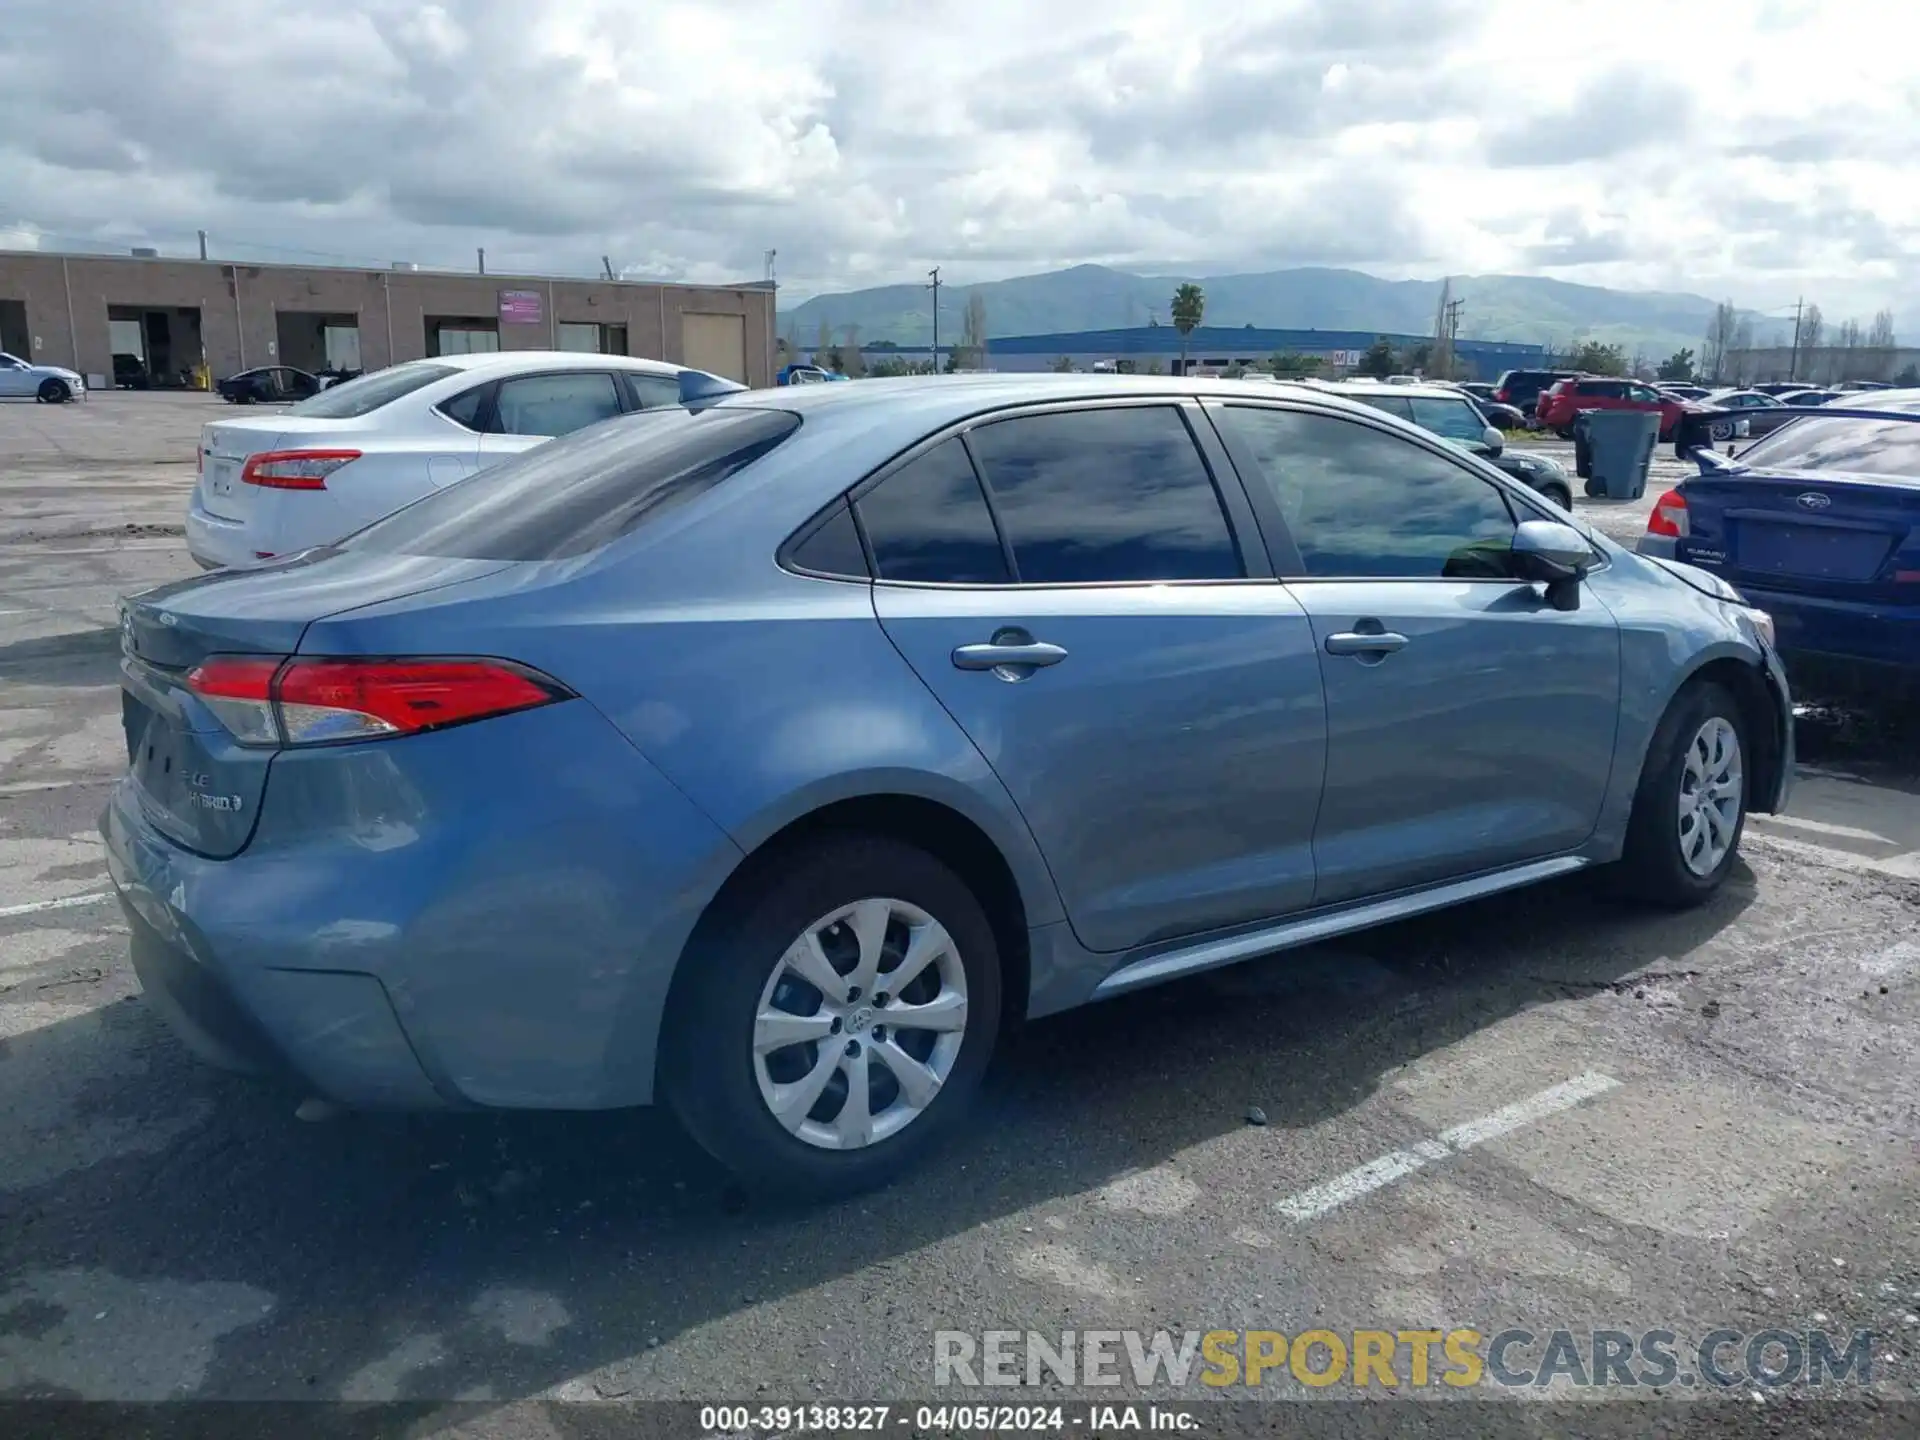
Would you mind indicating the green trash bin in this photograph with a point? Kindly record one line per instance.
(1620, 450)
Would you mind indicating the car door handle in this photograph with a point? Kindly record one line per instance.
(1365, 642)
(993, 656)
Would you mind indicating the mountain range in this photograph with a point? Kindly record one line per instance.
(1525, 308)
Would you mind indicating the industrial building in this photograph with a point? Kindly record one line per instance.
(173, 323)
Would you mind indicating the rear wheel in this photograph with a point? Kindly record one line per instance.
(837, 1031)
(53, 392)
(1559, 495)
(1690, 810)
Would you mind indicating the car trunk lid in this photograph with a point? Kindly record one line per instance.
(227, 445)
(196, 782)
(1807, 532)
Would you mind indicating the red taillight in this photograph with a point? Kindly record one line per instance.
(294, 469)
(1669, 515)
(268, 700)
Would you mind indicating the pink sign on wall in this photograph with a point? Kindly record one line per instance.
(520, 307)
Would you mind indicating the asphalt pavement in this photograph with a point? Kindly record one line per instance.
(1543, 1112)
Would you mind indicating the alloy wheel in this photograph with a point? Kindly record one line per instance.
(859, 1024)
(1710, 795)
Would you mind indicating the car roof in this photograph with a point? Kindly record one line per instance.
(1422, 390)
(509, 360)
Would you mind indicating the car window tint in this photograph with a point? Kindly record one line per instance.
(554, 404)
(1394, 405)
(465, 407)
(368, 393)
(654, 391)
(1361, 502)
(1854, 447)
(928, 522)
(833, 548)
(1105, 495)
(576, 494)
(1454, 419)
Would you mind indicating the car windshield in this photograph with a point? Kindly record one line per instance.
(367, 394)
(575, 494)
(1850, 446)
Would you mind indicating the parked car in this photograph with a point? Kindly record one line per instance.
(1682, 391)
(130, 372)
(1455, 417)
(1777, 387)
(1735, 413)
(269, 384)
(806, 375)
(1818, 523)
(1522, 388)
(770, 755)
(1807, 397)
(1567, 398)
(1863, 385)
(49, 384)
(278, 483)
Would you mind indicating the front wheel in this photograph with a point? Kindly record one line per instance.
(1690, 809)
(1565, 432)
(1721, 430)
(53, 392)
(1559, 495)
(837, 1031)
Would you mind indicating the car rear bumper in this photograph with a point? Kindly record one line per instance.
(486, 916)
(1873, 634)
(215, 542)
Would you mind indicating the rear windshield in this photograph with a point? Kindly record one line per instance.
(370, 392)
(1855, 447)
(573, 495)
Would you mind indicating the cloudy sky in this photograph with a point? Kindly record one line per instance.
(1753, 148)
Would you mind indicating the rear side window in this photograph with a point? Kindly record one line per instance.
(576, 494)
(1105, 495)
(367, 394)
(554, 404)
(1853, 447)
(650, 392)
(465, 408)
(928, 522)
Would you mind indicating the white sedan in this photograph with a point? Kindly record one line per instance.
(283, 481)
(49, 384)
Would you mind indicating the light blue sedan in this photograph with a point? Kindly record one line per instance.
(770, 754)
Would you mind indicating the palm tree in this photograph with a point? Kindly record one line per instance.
(1189, 304)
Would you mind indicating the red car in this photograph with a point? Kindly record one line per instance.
(1559, 405)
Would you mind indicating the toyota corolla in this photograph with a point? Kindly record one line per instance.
(770, 754)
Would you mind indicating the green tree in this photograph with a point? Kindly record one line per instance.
(1062, 366)
(1677, 366)
(1418, 356)
(1378, 361)
(850, 349)
(1125, 367)
(1292, 365)
(1594, 358)
(1909, 378)
(1188, 309)
(835, 360)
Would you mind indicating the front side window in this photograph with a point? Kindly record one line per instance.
(1116, 494)
(1452, 419)
(1360, 502)
(554, 404)
(369, 392)
(928, 523)
(1394, 405)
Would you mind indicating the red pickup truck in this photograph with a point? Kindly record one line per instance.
(1567, 399)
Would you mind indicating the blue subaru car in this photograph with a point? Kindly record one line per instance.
(770, 755)
(1819, 523)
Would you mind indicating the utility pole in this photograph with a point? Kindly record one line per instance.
(606, 264)
(483, 260)
(1793, 356)
(935, 287)
(203, 244)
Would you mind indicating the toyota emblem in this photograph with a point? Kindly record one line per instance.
(1812, 500)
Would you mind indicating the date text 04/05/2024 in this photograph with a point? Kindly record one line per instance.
(726, 1420)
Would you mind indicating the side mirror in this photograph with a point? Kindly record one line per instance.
(1493, 440)
(1555, 554)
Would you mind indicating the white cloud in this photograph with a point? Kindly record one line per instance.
(1721, 147)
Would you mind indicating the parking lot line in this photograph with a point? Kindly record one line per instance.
(1317, 1200)
(65, 902)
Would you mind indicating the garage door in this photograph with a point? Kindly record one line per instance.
(716, 344)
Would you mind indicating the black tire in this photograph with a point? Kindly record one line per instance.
(53, 392)
(1565, 432)
(712, 1087)
(1560, 496)
(1652, 868)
